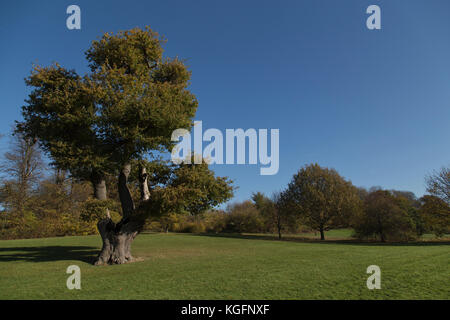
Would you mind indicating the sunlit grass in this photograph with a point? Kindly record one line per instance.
(177, 266)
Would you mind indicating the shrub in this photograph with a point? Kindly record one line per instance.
(243, 217)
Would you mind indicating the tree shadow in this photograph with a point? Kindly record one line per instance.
(48, 253)
(324, 242)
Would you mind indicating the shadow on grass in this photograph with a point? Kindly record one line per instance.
(48, 253)
(318, 241)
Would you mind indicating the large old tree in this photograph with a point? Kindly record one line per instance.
(118, 120)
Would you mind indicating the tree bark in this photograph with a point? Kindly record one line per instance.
(322, 234)
(143, 183)
(124, 193)
(117, 238)
(117, 241)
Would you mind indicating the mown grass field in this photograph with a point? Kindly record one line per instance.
(182, 266)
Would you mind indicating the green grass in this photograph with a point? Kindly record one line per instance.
(177, 266)
(338, 234)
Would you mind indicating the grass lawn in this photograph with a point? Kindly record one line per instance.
(183, 266)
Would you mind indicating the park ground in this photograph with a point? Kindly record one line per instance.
(186, 266)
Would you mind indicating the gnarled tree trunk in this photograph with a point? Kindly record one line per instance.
(117, 241)
(117, 238)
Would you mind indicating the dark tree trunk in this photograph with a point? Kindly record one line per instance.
(279, 226)
(322, 234)
(117, 238)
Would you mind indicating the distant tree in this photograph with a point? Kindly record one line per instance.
(384, 216)
(201, 190)
(276, 212)
(60, 195)
(436, 213)
(322, 198)
(266, 209)
(114, 120)
(409, 203)
(21, 168)
(168, 221)
(434, 209)
(407, 195)
(260, 200)
(215, 220)
(362, 193)
(283, 213)
(438, 184)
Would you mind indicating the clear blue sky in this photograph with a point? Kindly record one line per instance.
(375, 105)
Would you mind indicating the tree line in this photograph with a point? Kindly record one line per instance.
(42, 201)
(318, 199)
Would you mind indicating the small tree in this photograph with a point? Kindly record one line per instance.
(322, 198)
(277, 211)
(168, 221)
(266, 209)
